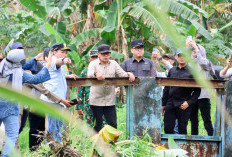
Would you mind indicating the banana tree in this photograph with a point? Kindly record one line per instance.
(120, 12)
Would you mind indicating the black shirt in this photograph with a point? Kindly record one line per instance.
(145, 67)
(175, 96)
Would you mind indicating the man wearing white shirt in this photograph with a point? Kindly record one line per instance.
(58, 85)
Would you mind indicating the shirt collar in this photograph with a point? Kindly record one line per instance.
(99, 62)
(133, 59)
(184, 68)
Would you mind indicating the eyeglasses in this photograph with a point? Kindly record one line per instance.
(180, 55)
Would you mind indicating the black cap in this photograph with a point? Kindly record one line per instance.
(169, 56)
(59, 46)
(137, 43)
(103, 48)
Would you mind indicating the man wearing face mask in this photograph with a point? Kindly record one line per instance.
(138, 65)
(12, 74)
(33, 66)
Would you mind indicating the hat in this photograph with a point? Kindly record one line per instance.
(137, 43)
(169, 56)
(103, 48)
(17, 45)
(93, 53)
(59, 46)
(178, 51)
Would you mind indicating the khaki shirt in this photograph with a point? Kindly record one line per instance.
(104, 95)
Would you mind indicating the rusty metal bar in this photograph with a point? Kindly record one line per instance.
(196, 146)
(122, 81)
(186, 82)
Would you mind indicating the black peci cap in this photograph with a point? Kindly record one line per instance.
(104, 48)
(59, 46)
(137, 43)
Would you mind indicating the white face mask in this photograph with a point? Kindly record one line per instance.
(16, 56)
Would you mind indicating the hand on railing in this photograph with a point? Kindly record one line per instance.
(99, 76)
(131, 76)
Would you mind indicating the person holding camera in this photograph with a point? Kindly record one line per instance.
(227, 71)
(168, 60)
(203, 102)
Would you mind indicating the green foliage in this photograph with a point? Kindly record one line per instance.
(52, 31)
(217, 47)
(183, 11)
(78, 62)
(172, 144)
(225, 27)
(193, 7)
(108, 33)
(112, 15)
(19, 26)
(82, 37)
(201, 30)
(116, 55)
(35, 6)
(146, 17)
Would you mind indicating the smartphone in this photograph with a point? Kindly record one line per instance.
(230, 56)
(46, 50)
(74, 102)
(189, 38)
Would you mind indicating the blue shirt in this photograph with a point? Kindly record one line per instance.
(31, 65)
(57, 84)
(8, 108)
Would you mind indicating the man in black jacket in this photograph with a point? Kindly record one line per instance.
(177, 101)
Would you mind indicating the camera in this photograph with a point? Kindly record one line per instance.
(46, 50)
(155, 50)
